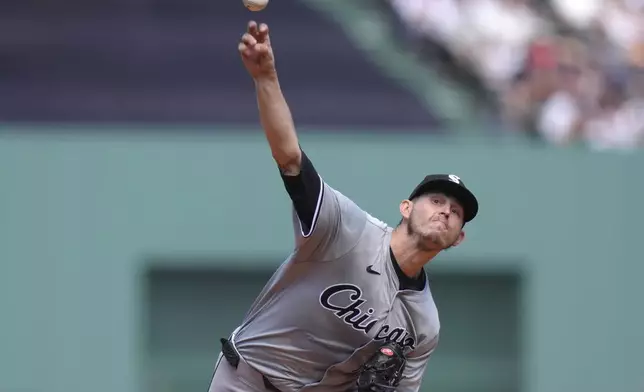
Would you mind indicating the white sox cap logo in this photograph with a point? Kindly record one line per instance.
(454, 178)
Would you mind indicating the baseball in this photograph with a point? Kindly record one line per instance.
(255, 5)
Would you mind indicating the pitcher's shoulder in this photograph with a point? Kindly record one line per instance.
(376, 224)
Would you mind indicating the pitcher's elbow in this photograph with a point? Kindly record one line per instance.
(289, 161)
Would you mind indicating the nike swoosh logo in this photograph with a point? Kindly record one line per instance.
(372, 271)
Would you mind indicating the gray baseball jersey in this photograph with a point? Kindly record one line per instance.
(333, 301)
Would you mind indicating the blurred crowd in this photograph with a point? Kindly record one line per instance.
(568, 71)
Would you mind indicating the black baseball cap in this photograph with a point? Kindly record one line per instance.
(451, 185)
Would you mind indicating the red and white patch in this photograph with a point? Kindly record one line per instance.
(387, 351)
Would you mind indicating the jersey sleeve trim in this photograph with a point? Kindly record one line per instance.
(316, 214)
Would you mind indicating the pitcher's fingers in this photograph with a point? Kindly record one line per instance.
(261, 48)
(252, 27)
(241, 47)
(244, 51)
(262, 32)
(249, 40)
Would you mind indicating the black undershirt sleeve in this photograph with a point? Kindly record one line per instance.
(304, 190)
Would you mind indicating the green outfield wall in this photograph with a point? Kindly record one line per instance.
(125, 255)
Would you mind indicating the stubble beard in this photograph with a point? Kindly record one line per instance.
(431, 241)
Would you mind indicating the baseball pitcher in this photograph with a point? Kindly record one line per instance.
(350, 309)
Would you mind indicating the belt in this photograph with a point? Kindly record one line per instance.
(233, 358)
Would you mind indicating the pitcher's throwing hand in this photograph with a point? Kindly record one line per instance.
(256, 52)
